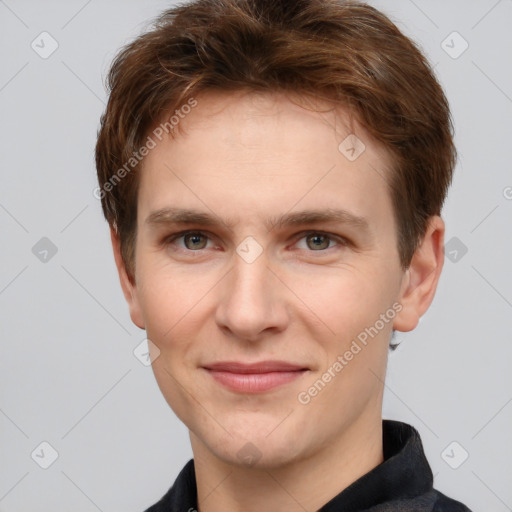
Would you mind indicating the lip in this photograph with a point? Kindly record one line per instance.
(254, 377)
(259, 367)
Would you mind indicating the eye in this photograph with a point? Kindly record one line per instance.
(196, 241)
(318, 241)
(192, 240)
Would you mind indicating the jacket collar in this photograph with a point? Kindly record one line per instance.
(403, 475)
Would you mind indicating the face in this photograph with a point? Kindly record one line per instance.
(260, 238)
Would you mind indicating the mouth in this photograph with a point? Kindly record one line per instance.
(254, 377)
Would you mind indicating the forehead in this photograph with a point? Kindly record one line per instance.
(253, 111)
(252, 154)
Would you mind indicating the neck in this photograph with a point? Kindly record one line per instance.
(305, 484)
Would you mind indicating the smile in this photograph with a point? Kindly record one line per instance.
(254, 382)
(256, 377)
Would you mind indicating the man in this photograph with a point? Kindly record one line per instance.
(273, 175)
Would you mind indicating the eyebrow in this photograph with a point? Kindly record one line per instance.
(170, 216)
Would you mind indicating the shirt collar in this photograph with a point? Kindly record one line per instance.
(404, 474)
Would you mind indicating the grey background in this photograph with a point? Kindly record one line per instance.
(68, 375)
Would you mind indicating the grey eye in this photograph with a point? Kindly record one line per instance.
(318, 241)
(195, 241)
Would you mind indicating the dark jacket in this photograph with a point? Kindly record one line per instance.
(402, 483)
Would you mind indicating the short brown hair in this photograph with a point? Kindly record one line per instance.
(345, 51)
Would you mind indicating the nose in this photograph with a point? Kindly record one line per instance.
(252, 301)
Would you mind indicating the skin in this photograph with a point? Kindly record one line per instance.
(246, 157)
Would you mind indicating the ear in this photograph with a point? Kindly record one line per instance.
(420, 279)
(130, 290)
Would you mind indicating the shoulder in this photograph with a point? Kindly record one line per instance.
(445, 504)
(182, 495)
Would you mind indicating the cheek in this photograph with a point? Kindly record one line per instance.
(350, 305)
(164, 300)
(346, 300)
(340, 301)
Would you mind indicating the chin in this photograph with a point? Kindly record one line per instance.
(256, 451)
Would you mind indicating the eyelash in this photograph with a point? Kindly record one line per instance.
(343, 242)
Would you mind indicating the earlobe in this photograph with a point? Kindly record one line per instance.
(129, 288)
(420, 280)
